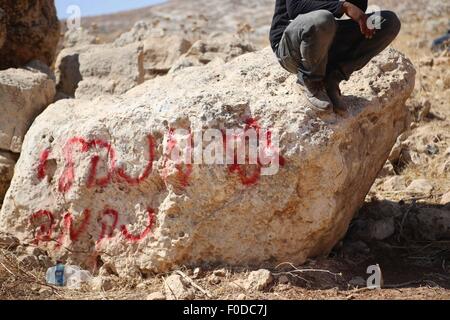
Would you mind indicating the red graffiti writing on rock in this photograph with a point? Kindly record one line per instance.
(45, 221)
(109, 218)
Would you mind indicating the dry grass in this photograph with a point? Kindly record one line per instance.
(17, 280)
(19, 283)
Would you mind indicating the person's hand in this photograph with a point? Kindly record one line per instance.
(356, 14)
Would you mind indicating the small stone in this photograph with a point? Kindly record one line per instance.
(156, 296)
(197, 273)
(29, 261)
(8, 241)
(20, 249)
(45, 292)
(414, 125)
(107, 270)
(220, 273)
(446, 80)
(396, 151)
(425, 109)
(442, 61)
(283, 279)
(7, 164)
(420, 186)
(358, 282)
(388, 209)
(103, 272)
(237, 284)
(35, 288)
(388, 170)
(45, 261)
(142, 285)
(432, 149)
(356, 247)
(444, 167)
(431, 224)
(33, 251)
(213, 279)
(101, 283)
(426, 62)
(447, 152)
(259, 280)
(241, 297)
(414, 157)
(445, 198)
(176, 288)
(421, 43)
(395, 183)
(382, 229)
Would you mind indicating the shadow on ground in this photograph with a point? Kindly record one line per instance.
(409, 241)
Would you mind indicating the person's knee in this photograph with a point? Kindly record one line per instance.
(318, 25)
(322, 22)
(392, 22)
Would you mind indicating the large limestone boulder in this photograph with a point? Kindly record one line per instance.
(160, 53)
(98, 180)
(67, 72)
(84, 70)
(32, 32)
(24, 94)
(92, 70)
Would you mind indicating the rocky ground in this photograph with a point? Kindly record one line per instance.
(404, 225)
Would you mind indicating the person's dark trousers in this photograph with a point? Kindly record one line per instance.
(316, 44)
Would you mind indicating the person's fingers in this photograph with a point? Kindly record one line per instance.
(363, 26)
(367, 30)
(364, 30)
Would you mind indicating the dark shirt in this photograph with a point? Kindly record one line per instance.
(286, 10)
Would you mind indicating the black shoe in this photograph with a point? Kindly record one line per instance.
(317, 96)
(334, 92)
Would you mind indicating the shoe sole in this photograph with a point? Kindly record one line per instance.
(327, 110)
(302, 91)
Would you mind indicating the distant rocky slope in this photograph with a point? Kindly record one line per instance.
(196, 18)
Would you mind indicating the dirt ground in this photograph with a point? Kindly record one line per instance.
(410, 271)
